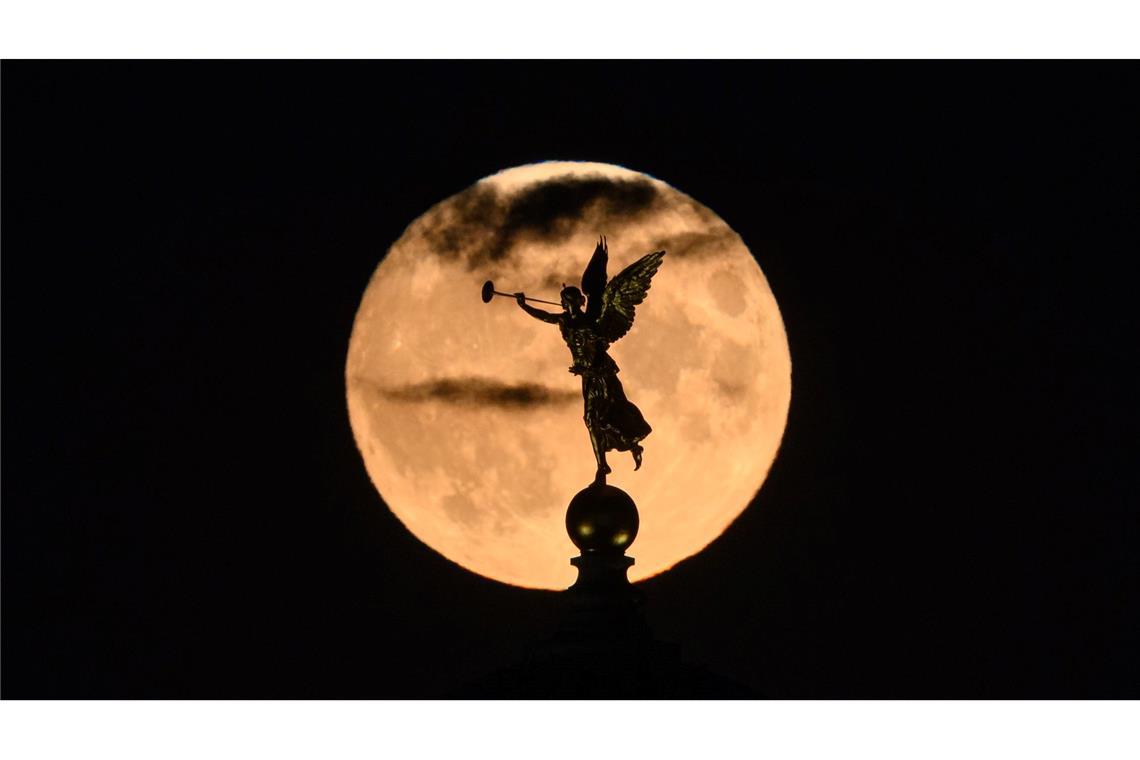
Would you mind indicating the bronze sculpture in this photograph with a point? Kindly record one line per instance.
(589, 327)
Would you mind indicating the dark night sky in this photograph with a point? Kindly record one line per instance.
(954, 509)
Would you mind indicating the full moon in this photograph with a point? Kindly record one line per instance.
(470, 425)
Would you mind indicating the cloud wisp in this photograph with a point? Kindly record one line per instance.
(479, 391)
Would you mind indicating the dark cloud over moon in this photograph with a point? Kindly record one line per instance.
(484, 224)
(477, 391)
(705, 243)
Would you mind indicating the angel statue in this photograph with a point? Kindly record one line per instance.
(589, 327)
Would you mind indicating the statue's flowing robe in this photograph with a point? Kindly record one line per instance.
(616, 422)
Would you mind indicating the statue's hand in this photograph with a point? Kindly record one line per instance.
(520, 298)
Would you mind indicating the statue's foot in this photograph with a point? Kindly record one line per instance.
(600, 475)
(636, 450)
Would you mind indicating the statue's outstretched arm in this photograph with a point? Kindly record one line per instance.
(545, 316)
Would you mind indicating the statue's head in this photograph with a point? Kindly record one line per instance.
(572, 298)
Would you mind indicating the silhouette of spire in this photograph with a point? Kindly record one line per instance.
(603, 648)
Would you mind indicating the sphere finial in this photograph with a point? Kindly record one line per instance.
(602, 519)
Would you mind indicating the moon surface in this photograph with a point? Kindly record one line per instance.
(470, 425)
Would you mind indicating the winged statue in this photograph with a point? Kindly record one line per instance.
(593, 318)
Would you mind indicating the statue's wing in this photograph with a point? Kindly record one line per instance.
(594, 279)
(625, 291)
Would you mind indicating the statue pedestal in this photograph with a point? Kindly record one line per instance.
(603, 608)
(601, 572)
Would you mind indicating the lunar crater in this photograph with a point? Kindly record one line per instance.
(728, 293)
